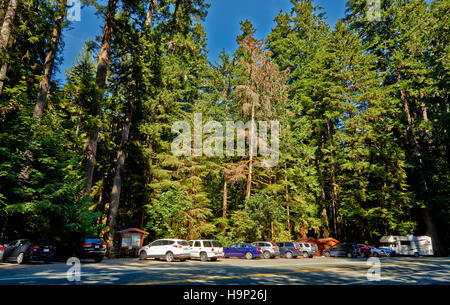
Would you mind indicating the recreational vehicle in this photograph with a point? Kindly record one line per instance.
(408, 245)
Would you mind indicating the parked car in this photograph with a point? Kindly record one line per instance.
(364, 250)
(242, 250)
(83, 247)
(388, 252)
(25, 250)
(307, 249)
(170, 249)
(2, 249)
(206, 249)
(378, 252)
(289, 249)
(269, 249)
(342, 249)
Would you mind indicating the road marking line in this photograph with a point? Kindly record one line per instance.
(266, 274)
(397, 277)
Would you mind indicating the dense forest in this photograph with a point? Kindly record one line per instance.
(363, 109)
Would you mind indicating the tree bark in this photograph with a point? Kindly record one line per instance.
(117, 182)
(148, 19)
(90, 149)
(49, 62)
(250, 164)
(225, 198)
(287, 199)
(427, 214)
(5, 38)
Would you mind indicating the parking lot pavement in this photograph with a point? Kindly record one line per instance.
(315, 271)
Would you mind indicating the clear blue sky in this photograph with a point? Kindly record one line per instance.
(221, 24)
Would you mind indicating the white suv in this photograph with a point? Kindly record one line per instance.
(170, 249)
(206, 249)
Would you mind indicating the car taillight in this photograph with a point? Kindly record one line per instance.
(53, 248)
(35, 248)
(178, 246)
(212, 249)
(103, 245)
(295, 249)
(258, 249)
(273, 247)
(87, 245)
(2, 248)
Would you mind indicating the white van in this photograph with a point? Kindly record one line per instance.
(408, 245)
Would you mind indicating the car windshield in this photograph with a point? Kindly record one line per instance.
(183, 242)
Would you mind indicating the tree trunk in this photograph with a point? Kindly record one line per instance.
(250, 163)
(117, 182)
(148, 19)
(49, 62)
(287, 200)
(430, 225)
(225, 198)
(90, 149)
(5, 38)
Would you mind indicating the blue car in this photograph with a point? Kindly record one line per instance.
(242, 250)
(388, 252)
(289, 249)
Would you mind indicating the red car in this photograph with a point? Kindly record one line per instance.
(365, 250)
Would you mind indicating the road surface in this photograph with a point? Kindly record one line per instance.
(313, 271)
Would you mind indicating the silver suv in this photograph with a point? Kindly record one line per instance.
(307, 249)
(268, 249)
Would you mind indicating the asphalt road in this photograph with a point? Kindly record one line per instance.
(314, 271)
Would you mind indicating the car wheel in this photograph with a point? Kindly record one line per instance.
(266, 254)
(142, 255)
(248, 255)
(289, 255)
(305, 254)
(416, 254)
(327, 254)
(169, 257)
(376, 254)
(20, 258)
(363, 254)
(203, 256)
(98, 259)
(388, 254)
(349, 255)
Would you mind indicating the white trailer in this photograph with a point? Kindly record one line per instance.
(408, 245)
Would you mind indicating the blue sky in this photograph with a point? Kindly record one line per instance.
(221, 24)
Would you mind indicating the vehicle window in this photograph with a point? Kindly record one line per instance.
(289, 244)
(405, 243)
(13, 244)
(280, 244)
(233, 246)
(216, 244)
(156, 243)
(244, 246)
(182, 242)
(207, 244)
(168, 242)
(191, 243)
(197, 244)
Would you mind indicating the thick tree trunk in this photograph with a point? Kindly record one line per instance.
(90, 149)
(5, 38)
(430, 225)
(117, 182)
(49, 62)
